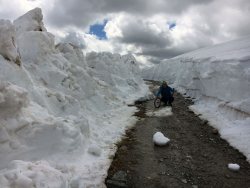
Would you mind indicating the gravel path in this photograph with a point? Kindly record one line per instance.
(195, 157)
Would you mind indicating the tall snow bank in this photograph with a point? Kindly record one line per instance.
(61, 112)
(218, 77)
(106, 66)
(8, 41)
(33, 45)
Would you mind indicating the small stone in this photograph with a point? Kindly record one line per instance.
(194, 186)
(184, 181)
(119, 180)
(120, 176)
(152, 176)
(124, 148)
(116, 184)
(162, 173)
(204, 122)
(215, 131)
(161, 159)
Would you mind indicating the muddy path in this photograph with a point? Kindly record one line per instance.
(195, 157)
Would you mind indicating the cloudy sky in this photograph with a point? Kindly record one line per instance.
(150, 29)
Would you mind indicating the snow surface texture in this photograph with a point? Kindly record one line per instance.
(159, 139)
(31, 21)
(8, 41)
(160, 112)
(218, 79)
(60, 112)
(234, 167)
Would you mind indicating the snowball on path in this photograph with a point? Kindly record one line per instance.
(233, 167)
(159, 139)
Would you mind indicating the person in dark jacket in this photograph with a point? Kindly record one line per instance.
(166, 93)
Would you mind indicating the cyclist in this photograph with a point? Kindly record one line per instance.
(166, 93)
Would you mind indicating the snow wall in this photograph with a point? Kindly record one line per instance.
(218, 80)
(60, 112)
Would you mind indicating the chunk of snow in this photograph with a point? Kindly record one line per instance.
(234, 167)
(32, 174)
(12, 99)
(72, 53)
(34, 45)
(160, 112)
(31, 21)
(159, 139)
(8, 41)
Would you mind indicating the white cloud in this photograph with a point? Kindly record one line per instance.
(94, 44)
(112, 27)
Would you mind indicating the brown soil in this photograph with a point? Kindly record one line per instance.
(195, 157)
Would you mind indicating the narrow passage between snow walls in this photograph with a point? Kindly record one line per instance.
(217, 79)
(174, 147)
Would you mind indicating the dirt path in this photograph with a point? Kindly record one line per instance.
(195, 157)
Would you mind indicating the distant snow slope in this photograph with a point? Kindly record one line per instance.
(60, 112)
(218, 77)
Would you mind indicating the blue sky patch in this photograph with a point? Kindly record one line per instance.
(98, 30)
(171, 25)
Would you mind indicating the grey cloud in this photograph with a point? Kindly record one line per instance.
(158, 46)
(138, 33)
(81, 13)
(73, 13)
(163, 53)
(156, 54)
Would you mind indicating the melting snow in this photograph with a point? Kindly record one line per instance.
(165, 111)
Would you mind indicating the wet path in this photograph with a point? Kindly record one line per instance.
(195, 157)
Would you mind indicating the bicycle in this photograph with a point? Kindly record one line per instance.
(157, 102)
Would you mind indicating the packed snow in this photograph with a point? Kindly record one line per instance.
(234, 167)
(217, 78)
(60, 111)
(159, 139)
(165, 111)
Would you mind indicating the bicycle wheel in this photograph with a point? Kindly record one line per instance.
(157, 102)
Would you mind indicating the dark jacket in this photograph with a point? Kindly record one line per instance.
(165, 91)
